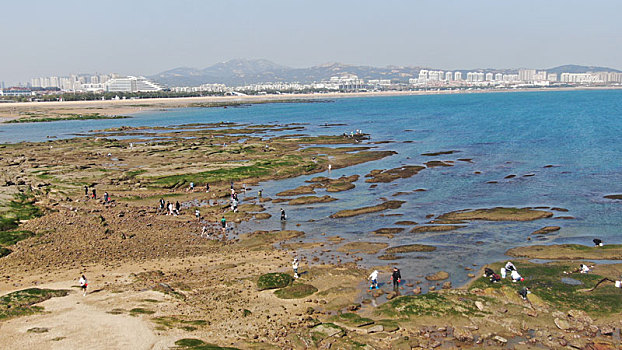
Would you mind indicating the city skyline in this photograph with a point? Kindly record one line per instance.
(150, 37)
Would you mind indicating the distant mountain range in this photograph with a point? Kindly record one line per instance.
(246, 71)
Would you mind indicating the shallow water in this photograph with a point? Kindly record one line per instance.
(503, 133)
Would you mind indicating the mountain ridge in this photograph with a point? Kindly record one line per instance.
(241, 71)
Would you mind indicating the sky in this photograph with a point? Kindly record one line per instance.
(145, 37)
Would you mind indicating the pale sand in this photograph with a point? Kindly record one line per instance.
(78, 322)
(15, 110)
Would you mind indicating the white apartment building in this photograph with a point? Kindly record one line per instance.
(526, 75)
(131, 84)
(458, 76)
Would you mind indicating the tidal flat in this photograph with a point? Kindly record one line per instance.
(161, 275)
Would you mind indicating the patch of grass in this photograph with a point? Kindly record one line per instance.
(259, 169)
(4, 252)
(430, 304)
(22, 302)
(544, 281)
(8, 238)
(351, 319)
(38, 330)
(273, 281)
(198, 344)
(20, 208)
(116, 311)
(139, 310)
(295, 291)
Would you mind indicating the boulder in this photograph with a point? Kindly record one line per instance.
(439, 276)
(562, 324)
(417, 291)
(375, 329)
(463, 335)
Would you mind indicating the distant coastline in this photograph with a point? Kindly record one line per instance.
(17, 110)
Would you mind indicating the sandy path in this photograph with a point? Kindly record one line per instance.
(78, 322)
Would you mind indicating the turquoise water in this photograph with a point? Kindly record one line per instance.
(577, 132)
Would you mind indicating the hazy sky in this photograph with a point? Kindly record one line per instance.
(42, 37)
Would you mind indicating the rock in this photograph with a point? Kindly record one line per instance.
(470, 275)
(417, 291)
(558, 314)
(377, 293)
(375, 329)
(463, 335)
(530, 312)
(479, 305)
(500, 339)
(328, 330)
(562, 324)
(580, 316)
(354, 307)
(606, 330)
(432, 288)
(447, 285)
(439, 276)
(391, 295)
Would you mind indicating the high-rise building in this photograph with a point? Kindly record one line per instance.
(458, 76)
(526, 75)
(489, 76)
(552, 77)
(449, 76)
(499, 77)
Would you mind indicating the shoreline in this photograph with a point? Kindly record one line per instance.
(16, 110)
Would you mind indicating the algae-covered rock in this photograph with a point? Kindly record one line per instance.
(439, 276)
(407, 248)
(497, 214)
(435, 228)
(311, 200)
(366, 210)
(273, 280)
(545, 230)
(295, 291)
(568, 251)
(362, 247)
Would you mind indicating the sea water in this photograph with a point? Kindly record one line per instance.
(567, 142)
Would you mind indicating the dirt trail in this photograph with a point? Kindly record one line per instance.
(78, 322)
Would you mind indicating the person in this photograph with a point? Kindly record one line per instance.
(283, 217)
(260, 193)
(584, 268)
(223, 223)
(234, 205)
(191, 189)
(488, 272)
(495, 278)
(177, 207)
(396, 277)
(295, 267)
(197, 213)
(373, 278)
(244, 188)
(206, 188)
(618, 284)
(86, 191)
(204, 231)
(83, 284)
(106, 197)
(94, 193)
(330, 167)
(509, 266)
(597, 242)
(523, 292)
(516, 277)
(503, 272)
(162, 204)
